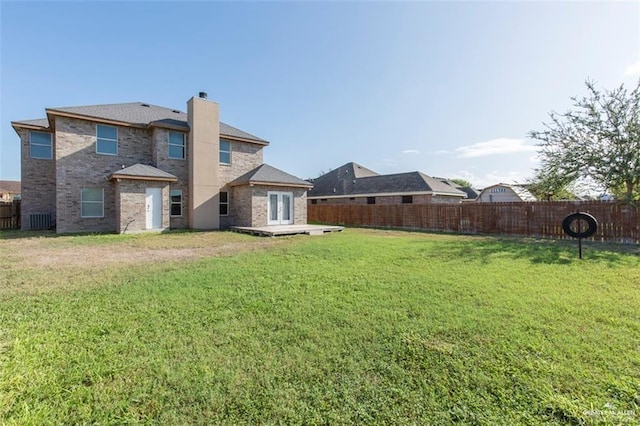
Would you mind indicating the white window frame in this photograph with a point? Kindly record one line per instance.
(172, 203)
(50, 146)
(106, 139)
(221, 151)
(228, 203)
(92, 202)
(183, 146)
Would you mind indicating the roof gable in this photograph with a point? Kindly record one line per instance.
(143, 172)
(266, 174)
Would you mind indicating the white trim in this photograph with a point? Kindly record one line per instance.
(50, 146)
(91, 202)
(183, 146)
(106, 139)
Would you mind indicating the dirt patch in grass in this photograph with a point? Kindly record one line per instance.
(37, 263)
(91, 251)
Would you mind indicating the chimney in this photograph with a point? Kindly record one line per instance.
(203, 158)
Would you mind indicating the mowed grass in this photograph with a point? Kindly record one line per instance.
(366, 327)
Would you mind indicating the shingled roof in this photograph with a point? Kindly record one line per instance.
(12, 186)
(352, 179)
(144, 172)
(269, 175)
(137, 114)
(472, 193)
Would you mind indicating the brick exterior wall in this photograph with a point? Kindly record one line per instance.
(38, 183)
(443, 199)
(240, 207)
(244, 158)
(177, 167)
(259, 204)
(79, 166)
(130, 205)
(54, 186)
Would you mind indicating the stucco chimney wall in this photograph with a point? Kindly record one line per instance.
(203, 149)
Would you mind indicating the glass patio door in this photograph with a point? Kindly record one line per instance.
(280, 207)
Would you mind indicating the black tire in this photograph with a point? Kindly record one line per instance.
(592, 225)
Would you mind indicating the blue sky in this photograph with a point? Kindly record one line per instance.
(447, 88)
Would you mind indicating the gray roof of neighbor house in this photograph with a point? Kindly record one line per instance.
(140, 114)
(352, 179)
(144, 172)
(13, 186)
(472, 194)
(266, 174)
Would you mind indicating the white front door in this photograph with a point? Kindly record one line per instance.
(154, 208)
(280, 208)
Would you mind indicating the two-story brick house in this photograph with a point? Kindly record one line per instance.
(134, 167)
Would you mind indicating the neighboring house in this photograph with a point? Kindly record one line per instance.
(135, 167)
(472, 194)
(355, 184)
(9, 190)
(504, 192)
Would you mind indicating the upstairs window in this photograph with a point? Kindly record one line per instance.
(407, 199)
(224, 203)
(40, 145)
(176, 145)
(176, 202)
(371, 200)
(91, 202)
(225, 151)
(107, 140)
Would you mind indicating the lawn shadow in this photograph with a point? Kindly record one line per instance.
(538, 251)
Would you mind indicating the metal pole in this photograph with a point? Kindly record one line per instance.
(579, 239)
(580, 248)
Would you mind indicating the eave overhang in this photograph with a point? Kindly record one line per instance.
(263, 183)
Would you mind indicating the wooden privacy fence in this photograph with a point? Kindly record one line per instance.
(616, 222)
(10, 215)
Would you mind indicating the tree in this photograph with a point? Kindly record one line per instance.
(599, 139)
(463, 183)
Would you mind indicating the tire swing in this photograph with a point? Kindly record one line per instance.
(577, 231)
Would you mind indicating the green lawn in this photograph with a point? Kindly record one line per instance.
(362, 326)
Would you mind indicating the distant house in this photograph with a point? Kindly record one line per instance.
(352, 183)
(472, 193)
(504, 193)
(137, 167)
(9, 190)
